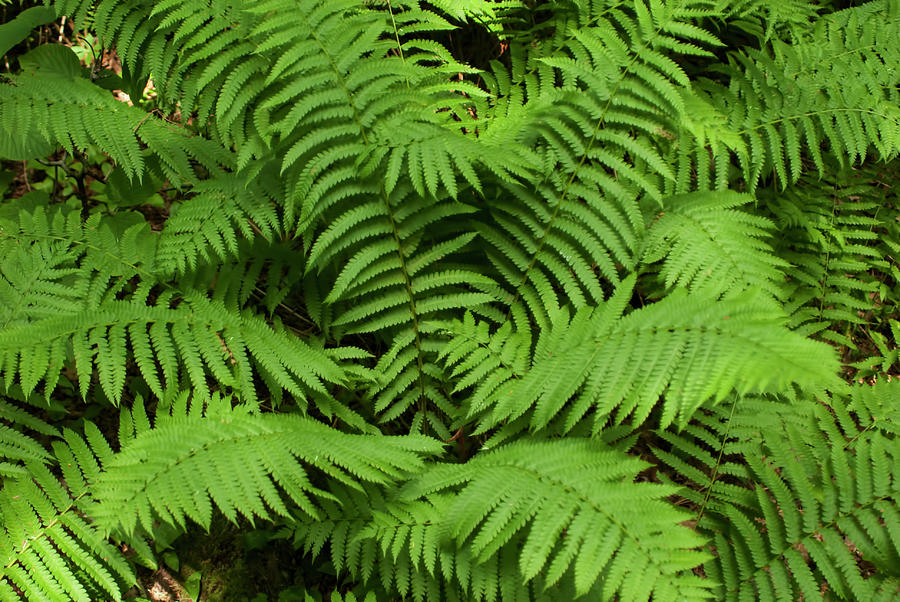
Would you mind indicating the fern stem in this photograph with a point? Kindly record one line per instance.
(397, 37)
(715, 473)
(810, 114)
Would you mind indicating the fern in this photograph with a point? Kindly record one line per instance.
(607, 118)
(546, 486)
(465, 299)
(711, 248)
(600, 361)
(792, 97)
(49, 550)
(265, 447)
(89, 318)
(803, 503)
(840, 268)
(117, 129)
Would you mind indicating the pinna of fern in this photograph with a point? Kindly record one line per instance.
(49, 548)
(841, 235)
(55, 105)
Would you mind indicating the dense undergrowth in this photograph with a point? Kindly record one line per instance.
(449, 300)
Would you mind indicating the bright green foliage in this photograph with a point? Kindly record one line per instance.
(144, 476)
(712, 248)
(806, 483)
(83, 114)
(613, 526)
(466, 299)
(48, 549)
(686, 348)
(48, 546)
(75, 274)
(790, 100)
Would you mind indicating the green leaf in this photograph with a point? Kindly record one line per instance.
(19, 28)
(52, 59)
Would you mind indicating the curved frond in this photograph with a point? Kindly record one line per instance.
(616, 530)
(684, 349)
(252, 465)
(711, 247)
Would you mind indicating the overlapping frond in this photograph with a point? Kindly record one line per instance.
(49, 550)
(766, 19)
(56, 104)
(210, 225)
(19, 430)
(393, 545)
(788, 105)
(708, 245)
(804, 503)
(616, 531)
(837, 236)
(252, 465)
(76, 301)
(684, 349)
(599, 110)
(549, 259)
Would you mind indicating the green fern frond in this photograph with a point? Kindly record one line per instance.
(875, 407)
(615, 529)
(264, 457)
(96, 316)
(685, 348)
(577, 219)
(839, 230)
(803, 503)
(709, 246)
(209, 225)
(84, 114)
(793, 97)
(18, 428)
(48, 549)
(769, 18)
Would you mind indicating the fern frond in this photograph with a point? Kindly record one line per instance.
(709, 246)
(249, 465)
(839, 230)
(685, 348)
(766, 19)
(577, 218)
(75, 113)
(793, 96)
(209, 226)
(18, 428)
(804, 500)
(614, 528)
(48, 549)
(96, 316)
